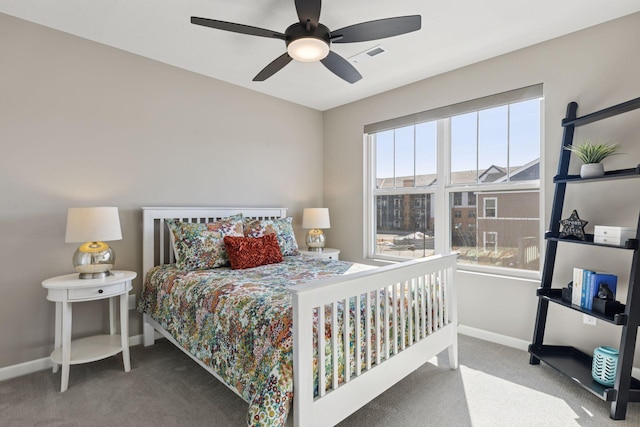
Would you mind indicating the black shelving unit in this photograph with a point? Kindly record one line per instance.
(566, 359)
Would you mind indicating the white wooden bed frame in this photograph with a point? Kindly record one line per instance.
(386, 364)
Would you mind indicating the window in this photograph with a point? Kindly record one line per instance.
(490, 207)
(471, 198)
(490, 241)
(459, 177)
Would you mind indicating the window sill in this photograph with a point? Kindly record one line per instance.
(533, 276)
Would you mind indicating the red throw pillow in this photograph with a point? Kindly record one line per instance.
(249, 252)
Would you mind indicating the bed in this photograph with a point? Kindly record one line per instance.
(389, 321)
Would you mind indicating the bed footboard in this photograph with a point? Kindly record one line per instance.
(404, 315)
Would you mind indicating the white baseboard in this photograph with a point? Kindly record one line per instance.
(25, 368)
(493, 337)
(32, 366)
(509, 341)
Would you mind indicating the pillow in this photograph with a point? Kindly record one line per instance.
(249, 252)
(200, 246)
(281, 227)
(172, 237)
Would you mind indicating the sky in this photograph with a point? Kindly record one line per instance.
(502, 136)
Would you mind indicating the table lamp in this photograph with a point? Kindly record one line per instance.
(315, 219)
(93, 226)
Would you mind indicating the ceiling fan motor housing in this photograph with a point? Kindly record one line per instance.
(299, 31)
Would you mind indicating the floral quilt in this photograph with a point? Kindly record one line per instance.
(238, 322)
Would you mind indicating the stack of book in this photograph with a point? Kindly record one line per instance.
(586, 284)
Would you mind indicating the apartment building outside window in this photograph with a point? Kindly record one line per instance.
(467, 182)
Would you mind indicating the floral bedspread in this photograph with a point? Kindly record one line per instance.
(238, 322)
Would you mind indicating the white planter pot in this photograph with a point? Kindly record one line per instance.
(591, 170)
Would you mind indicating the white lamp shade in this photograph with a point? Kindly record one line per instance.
(315, 218)
(93, 225)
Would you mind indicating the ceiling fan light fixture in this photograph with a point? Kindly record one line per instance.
(308, 49)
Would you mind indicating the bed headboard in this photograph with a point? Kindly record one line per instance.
(156, 245)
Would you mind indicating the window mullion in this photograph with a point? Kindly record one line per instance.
(370, 223)
(477, 147)
(442, 224)
(508, 143)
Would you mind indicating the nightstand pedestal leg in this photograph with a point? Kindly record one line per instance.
(112, 316)
(66, 345)
(58, 333)
(124, 330)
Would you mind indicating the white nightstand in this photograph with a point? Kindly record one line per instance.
(68, 289)
(327, 253)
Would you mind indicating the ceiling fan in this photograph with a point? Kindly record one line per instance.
(309, 40)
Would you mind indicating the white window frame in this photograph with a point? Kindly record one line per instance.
(494, 207)
(442, 194)
(485, 240)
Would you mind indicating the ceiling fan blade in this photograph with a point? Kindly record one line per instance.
(275, 66)
(237, 28)
(341, 67)
(309, 10)
(379, 29)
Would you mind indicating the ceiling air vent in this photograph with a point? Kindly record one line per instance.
(368, 54)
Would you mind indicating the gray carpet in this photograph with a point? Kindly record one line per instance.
(495, 386)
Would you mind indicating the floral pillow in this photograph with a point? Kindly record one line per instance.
(281, 227)
(249, 252)
(201, 246)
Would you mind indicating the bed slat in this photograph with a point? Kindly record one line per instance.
(347, 339)
(378, 336)
(334, 344)
(322, 383)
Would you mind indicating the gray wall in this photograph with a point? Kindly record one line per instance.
(597, 67)
(82, 124)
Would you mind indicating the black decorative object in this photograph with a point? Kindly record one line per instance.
(573, 226)
(567, 292)
(604, 292)
(605, 302)
(608, 307)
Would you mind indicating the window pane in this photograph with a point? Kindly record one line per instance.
(492, 143)
(426, 159)
(524, 140)
(384, 159)
(507, 238)
(404, 157)
(404, 225)
(464, 148)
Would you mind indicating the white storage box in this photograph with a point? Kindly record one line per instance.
(611, 235)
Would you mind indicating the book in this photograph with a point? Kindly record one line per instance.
(595, 279)
(586, 281)
(576, 290)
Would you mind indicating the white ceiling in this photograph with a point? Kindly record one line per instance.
(454, 34)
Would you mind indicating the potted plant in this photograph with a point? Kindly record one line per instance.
(591, 155)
